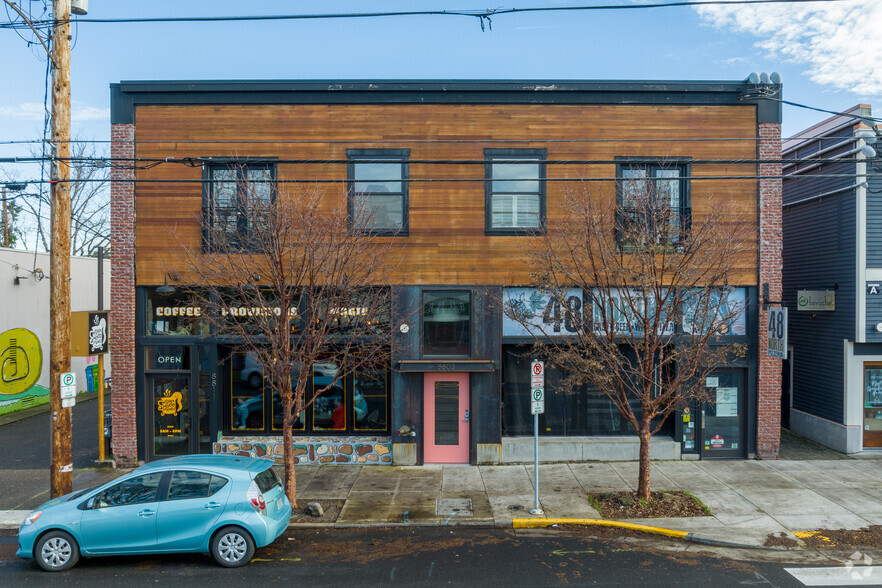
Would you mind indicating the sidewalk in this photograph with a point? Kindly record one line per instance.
(748, 499)
(819, 489)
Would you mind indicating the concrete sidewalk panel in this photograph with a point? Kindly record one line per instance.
(377, 479)
(850, 475)
(792, 502)
(461, 478)
(556, 479)
(421, 481)
(567, 506)
(506, 480)
(853, 499)
(366, 507)
(807, 475)
(507, 507)
(630, 472)
(481, 509)
(599, 477)
(725, 502)
(748, 475)
(332, 482)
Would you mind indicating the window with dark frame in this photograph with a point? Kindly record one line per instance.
(653, 200)
(232, 190)
(356, 403)
(514, 191)
(446, 323)
(378, 190)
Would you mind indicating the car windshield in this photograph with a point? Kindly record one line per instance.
(267, 480)
(79, 493)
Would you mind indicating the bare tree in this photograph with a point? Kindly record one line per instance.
(294, 280)
(90, 203)
(638, 299)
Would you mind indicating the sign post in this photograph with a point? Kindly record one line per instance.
(537, 407)
(777, 332)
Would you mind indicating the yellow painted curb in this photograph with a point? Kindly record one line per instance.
(532, 523)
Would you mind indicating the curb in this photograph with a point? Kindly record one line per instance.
(684, 535)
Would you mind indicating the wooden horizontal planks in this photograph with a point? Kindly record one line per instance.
(446, 244)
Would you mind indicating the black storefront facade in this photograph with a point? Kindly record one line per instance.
(455, 391)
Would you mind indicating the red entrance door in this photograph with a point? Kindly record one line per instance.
(446, 405)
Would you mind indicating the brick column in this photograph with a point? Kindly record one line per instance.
(768, 433)
(122, 297)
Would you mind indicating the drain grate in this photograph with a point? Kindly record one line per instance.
(461, 507)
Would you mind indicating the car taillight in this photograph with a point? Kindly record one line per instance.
(255, 497)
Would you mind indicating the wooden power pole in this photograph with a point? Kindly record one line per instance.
(61, 472)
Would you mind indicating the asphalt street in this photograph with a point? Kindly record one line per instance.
(418, 557)
(26, 456)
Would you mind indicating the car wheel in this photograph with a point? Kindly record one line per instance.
(254, 380)
(232, 547)
(57, 551)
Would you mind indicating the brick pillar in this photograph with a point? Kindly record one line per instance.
(122, 297)
(768, 433)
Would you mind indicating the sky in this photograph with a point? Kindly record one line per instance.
(828, 53)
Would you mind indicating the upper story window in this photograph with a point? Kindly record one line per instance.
(234, 193)
(378, 190)
(653, 202)
(515, 190)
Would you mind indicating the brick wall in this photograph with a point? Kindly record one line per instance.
(122, 297)
(768, 435)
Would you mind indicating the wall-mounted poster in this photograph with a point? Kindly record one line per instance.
(727, 402)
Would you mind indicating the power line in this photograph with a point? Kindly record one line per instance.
(483, 15)
(461, 180)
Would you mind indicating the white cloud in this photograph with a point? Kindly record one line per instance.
(34, 111)
(839, 41)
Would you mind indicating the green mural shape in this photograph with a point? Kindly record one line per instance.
(21, 361)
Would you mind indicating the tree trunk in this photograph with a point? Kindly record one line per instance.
(290, 478)
(643, 487)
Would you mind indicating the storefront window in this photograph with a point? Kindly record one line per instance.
(174, 314)
(246, 394)
(370, 397)
(168, 357)
(349, 405)
(446, 325)
(568, 412)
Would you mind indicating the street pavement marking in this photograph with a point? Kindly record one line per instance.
(838, 576)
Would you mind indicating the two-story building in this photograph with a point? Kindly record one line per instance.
(833, 283)
(462, 172)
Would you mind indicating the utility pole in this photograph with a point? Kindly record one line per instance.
(61, 469)
(5, 221)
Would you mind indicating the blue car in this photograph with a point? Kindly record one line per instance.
(223, 505)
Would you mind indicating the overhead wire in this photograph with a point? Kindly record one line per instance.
(484, 16)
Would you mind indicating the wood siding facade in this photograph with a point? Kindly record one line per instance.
(447, 242)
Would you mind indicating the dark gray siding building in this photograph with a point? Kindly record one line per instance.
(832, 274)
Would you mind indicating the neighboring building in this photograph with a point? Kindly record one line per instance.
(25, 304)
(462, 252)
(833, 285)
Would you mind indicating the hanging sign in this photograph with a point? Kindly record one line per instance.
(777, 332)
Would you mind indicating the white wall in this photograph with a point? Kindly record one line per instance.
(26, 305)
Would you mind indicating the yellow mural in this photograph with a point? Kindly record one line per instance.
(171, 404)
(21, 361)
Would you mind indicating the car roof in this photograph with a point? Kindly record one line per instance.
(215, 462)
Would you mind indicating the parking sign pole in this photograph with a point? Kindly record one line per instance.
(537, 405)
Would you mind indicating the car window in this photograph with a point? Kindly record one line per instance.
(186, 484)
(132, 491)
(267, 480)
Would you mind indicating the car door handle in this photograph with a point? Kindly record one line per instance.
(146, 513)
(211, 505)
